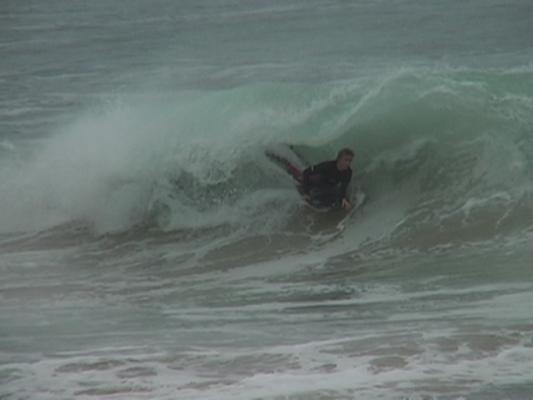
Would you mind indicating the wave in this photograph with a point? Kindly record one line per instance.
(444, 155)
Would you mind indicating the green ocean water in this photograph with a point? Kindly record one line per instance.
(149, 249)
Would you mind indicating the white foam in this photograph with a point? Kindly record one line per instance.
(303, 370)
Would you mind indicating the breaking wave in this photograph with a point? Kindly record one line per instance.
(444, 156)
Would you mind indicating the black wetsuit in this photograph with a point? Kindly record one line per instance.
(325, 184)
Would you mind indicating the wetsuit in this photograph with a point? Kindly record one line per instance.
(325, 184)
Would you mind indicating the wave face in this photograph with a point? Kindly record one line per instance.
(444, 156)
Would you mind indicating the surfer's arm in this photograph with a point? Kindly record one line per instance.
(345, 201)
(344, 186)
(345, 204)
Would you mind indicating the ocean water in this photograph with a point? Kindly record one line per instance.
(150, 250)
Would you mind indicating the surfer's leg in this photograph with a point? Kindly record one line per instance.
(302, 159)
(291, 169)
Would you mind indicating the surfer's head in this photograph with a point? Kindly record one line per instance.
(344, 159)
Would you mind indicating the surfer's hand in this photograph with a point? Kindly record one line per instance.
(346, 205)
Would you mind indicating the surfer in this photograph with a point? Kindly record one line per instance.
(324, 185)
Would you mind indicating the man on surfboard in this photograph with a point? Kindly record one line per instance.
(324, 185)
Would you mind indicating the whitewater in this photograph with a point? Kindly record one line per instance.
(150, 250)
